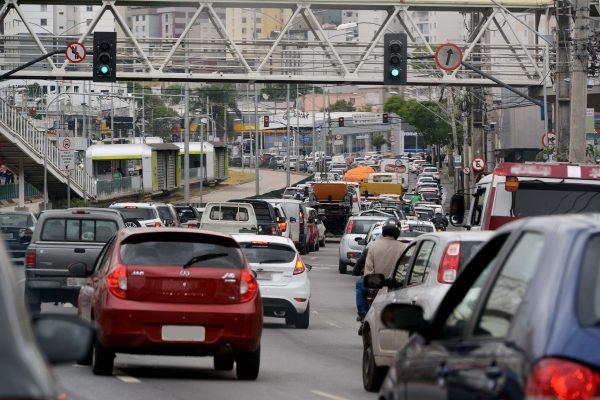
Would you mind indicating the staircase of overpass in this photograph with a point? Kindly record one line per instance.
(20, 139)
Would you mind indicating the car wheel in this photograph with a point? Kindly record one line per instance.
(32, 299)
(103, 360)
(223, 362)
(248, 365)
(372, 374)
(302, 320)
(322, 243)
(342, 267)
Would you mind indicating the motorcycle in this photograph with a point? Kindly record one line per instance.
(440, 227)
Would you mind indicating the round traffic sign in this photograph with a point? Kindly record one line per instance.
(466, 170)
(548, 139)
(478, 164)
(66, 144)
(392, 138)
(75, 52)
(338, 137)
(448, 56)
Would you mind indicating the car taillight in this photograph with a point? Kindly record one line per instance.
(248, 287)
(349, 227)
(117, 282)
(30, 258)
(299, 268)
(449, 266)
(153, 225)
(283, 226)
(273, 230)
(553, 378)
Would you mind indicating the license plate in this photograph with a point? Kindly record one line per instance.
(7, 236)
(183, 333)
(74, 282)
(264, 275)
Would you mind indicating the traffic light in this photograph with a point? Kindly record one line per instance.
(395, 57)
(386, 118)
(266, 121)
(71, 124)
(105, 57)
(341, 121)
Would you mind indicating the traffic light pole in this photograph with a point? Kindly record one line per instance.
(6, 75)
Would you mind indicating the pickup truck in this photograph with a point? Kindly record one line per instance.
(229, 218)
(60, 238)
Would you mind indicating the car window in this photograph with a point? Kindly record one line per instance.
(588, 303)
(103, 256)
(360, 227)
(268, 253)
(422, 264)
(138, 213)
(229, 213)
(17, 220)
(510, 287)
(403, 266)
(164, 212)
(78, 230)
(263, 214)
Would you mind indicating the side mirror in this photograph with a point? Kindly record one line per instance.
(308, 266)
(457, 209)
(168, 222)
(406, 317)
(79, 270)
(358, 238)
(292, 219)
(63, 338)
(374, 281)
(361, 241)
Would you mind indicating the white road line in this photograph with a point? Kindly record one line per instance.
(128, 379)
(333, 324)
(327, 395)
(21, 280)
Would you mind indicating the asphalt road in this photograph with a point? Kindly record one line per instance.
(322, 362)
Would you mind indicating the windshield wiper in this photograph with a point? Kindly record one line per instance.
(203, 257)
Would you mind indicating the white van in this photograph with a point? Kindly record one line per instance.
(229, 218)
(297, 216)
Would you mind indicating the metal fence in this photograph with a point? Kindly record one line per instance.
(11, 191)
(125, 185)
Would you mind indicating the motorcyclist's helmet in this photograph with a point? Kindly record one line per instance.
(391, 227)
(438, 215)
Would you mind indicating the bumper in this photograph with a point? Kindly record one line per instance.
(135, 327)
(282, 298)
(52, 289)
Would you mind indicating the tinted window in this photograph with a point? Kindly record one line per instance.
(422, 263)
(263, 214)
(164, 212)
(467, 250)
(138, 213)
(361, 227)
(229, 213)
(178, 249)
(17, 220)
(268, 253)
(510, 286)
(589, 281)
(78, 230)
(403, 266)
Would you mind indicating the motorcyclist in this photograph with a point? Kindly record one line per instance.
(440, 220)
(381, 258)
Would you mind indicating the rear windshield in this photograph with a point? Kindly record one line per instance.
(430, 196)
(467, 250)
(78, 230)
(420, 228)
(266, 253)
(138, 213)
(17, 220)
(229, 213)
(429, 169)
(262, 212)
(186, 213)
(362, 226)
(588, 302)
(179, 249)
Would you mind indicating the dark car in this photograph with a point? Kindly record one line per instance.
(268, 222)
(188, 216)
(16, 228)
(173, 291)
(25, 352)
(522, 321)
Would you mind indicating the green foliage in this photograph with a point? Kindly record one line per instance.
(378, 140)
(173, 94)
(422, 115)
(278, 91)
(342, 105)
(425, 60)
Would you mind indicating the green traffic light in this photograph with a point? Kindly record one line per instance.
(395, 72)
(104, 69)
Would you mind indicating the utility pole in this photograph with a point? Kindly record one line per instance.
(256, 171)
(563, 101)
(577, 140)
(465, 153)
(450, 98)
(476, 100)
(313, 130)
(287, 140)
(186, 146)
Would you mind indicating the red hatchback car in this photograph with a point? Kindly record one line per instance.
(173, 291)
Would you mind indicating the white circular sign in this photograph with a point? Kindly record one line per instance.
(338, 137)
(466, 170)
(448, 56)
(66, 144)
(478, 164)
(548, 139)
(75, 52)
(392, 138)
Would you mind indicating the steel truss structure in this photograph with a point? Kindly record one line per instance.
(285, 58)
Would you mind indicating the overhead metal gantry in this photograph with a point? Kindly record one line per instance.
(320, 57)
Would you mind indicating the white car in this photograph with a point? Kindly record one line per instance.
(140, 214)
(431, 171)
(282, 277)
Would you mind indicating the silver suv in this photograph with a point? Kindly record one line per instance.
(422, 276)
(150, 215)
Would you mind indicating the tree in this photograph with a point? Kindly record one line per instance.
(174, 94)
(342, 105)
(377, 141)
(221, 98)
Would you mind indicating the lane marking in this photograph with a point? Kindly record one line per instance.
(127, 379)
(327, 395)
(333, 324)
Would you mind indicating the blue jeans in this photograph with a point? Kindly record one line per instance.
(362, 305)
